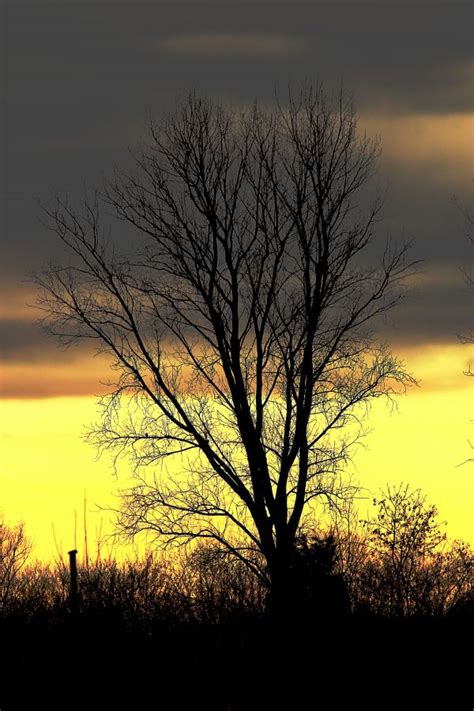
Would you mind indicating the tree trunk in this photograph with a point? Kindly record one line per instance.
(283, 596)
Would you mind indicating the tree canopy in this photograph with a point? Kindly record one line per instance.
(239, 316)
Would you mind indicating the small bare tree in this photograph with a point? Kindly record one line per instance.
(239, 324)
(15, 547)
(405, 539)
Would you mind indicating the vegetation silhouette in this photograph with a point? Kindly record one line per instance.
(192, 630)
(239, 316)
(15, 547)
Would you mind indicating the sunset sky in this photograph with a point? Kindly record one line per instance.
(82, 79)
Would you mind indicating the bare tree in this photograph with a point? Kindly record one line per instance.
(452, 579)
(239, 324)
(405, 539)
(15, 547)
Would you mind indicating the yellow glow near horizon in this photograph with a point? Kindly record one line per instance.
(47, 468)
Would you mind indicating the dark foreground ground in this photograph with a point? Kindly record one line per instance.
(358, 663)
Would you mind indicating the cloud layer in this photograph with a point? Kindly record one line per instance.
(82, 80)
(228, 44)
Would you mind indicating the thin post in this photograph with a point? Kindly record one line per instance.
(73, 590)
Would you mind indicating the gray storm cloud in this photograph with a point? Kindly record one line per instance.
(82, 78)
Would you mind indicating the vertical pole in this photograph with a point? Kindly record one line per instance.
(73, 590)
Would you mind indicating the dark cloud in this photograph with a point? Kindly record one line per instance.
(430, 314)
(18, 341)
(22, 342)
(83, 76)
(437, 308)
(390, 51)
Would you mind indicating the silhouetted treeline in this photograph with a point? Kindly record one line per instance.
(211, 587)
(376, 619)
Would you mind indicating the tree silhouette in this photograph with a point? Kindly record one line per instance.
(406, 539)
(15, 548)
(239, 323)
(318, 589)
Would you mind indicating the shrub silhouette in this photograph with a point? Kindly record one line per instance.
(411, 568)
